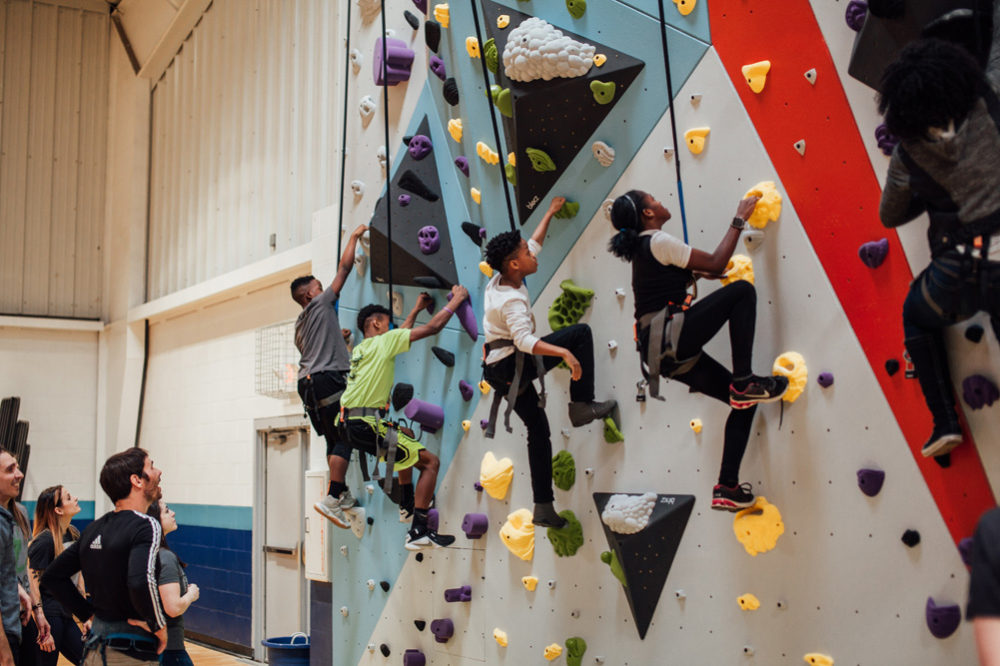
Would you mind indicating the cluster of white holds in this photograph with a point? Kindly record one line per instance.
(628, 514)
(537, 50)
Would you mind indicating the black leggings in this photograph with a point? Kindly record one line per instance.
(69, 640)
(737, 304)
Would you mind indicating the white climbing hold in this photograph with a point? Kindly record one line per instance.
(371, 647)
(360, 263)
(696, 425)
(800, 146)
(695, 98)
(370, 489)
(551, 584)
(612, 345)
(748, 650)
(565, 432)
(628, 514)
(753, 239)
(380, 154)
(397, 303)
(680, 594)
(366, 242)
(537, 50)
(668, 151)
(358, 187)
(343, 551)
(620, 292)
(603, 153)
(588, 471)
(370, 583)
(811, 75)
(344, 611)
(367, 108)
(606, 207)
(357, 59)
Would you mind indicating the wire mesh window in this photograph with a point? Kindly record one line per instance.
(276, 360)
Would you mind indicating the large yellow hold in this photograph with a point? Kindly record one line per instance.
(530, 583)
(685, 7)
(748, 602)
(817, 659)
(758, 527)
(695, 139)
(768, 208)
(740, 267)
(500, 636)
(495, 475)
(487, 154)
(756, 74)
(552, 651)
(518, 534)
(442, 14)
(472, 47)
(792, 365)
(455, 129)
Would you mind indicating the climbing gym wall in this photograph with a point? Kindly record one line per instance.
(854, 556)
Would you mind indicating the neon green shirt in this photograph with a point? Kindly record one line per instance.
(373, 365)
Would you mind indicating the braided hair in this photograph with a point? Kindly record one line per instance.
(627, 219)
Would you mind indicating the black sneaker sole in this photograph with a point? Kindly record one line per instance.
(941, 446)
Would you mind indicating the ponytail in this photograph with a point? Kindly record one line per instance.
(625, 218)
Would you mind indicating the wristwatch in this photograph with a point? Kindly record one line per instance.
(739, 223)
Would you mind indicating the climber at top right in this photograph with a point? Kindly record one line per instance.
(945, 109)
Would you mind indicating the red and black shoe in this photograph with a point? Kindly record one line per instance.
(736, 498)
(757, 390)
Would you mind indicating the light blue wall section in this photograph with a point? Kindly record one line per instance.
(695, 24)
(213, 515)
(86, 510)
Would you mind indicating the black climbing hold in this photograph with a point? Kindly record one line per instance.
(429, 282)
(444, 356)
(974, 333)
(385, 650)
(412, 19)
(420, 624)
(406, 139)
(911, 538)
(384, 585)
(450, 91)
(411, 182)
(944, 462)
(892, 366)
(432, 34)
(402, 393)
(419, 557)
(473, 232)
(371, 521)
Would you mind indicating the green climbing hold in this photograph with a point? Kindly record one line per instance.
(491, 55)
(540, 161)
(576, 8)
(611, 559)
(567, 540)
(603, 91)
(563, 470)
(612, 435)
(493, 92)
(575, 649)
(569, 307)
(511, 174)
(503, 101)
(568, 210)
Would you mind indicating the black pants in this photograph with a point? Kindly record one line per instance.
(15, 647)
(579, 340)
(316, 388)
(737, 304)
(69, 640)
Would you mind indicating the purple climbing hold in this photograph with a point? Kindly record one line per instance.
(965, 551)
(429, 239)
(462, 162)
(855, 14)
(873, 253)
(475, 525)
(398, 61)
(414, 657)
(433, 519)
(404, 200)
(421, 5)
(979, 392)
(466, 389)
(443, 630)
(483, 423)
(870, 481)
(886, 140)
(420, 146)
(428, 415)
(463, 593)
(825, 379)
(942, 620)
(466, 315)
(437, 66)
(478, 486)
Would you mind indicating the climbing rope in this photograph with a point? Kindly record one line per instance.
(343, 146)
(493, 119)
(673, 121)
(388, 152)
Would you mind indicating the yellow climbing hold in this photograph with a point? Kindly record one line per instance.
(768, 208)
(695, 139)
(466, 424)
(792, 365)
(758, 527)
(503, 21)
(530, 583)
(455, 129)
(511, 159)
(740, 267)
(500, 636)
(695, 425)
(600, 59)
(487, 270)
(518, 534)
(552, 651)
(748, 602)
(442, 15)
(488, 155)
(495, 475)
(472, 47)
(484, 386)
(685, 7)
(476, 194)
(756, 74)
(817, 659)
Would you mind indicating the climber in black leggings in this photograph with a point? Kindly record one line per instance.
(662, 269)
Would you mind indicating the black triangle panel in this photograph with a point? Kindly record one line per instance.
(410, 266)
(646, 556)
(558, 116)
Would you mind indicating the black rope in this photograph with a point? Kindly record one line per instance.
(388, 171)
(673, 120)
(493, 119)
(343, 146)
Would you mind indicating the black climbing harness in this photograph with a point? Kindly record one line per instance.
(516, 386)
(313, 405)
(386, 446)
(663, 331)
(137, 647)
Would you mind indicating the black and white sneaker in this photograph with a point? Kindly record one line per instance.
(420, 537)
(941, 442)
(405, 514)
(725, 498)
(758, 390)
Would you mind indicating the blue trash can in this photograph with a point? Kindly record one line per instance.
(287, 650)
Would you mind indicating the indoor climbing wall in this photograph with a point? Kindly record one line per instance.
(853, 557)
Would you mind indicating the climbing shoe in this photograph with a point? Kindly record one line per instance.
(405, 514)
(333, 508)
(420, 537)
(545, 516)
(942, 441)
(725, 498)
(757, 390)
(582, 413)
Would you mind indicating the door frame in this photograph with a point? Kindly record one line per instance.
(261, 429)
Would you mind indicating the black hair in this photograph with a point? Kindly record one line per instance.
(930, 83)
(626, 219)
(368, 311)
(501, 247)
(155, 511)
(298, 283)
(116, 475)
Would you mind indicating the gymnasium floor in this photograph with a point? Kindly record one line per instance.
(199, 655)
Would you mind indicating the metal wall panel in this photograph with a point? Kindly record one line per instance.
(54, 73)
(241, 139)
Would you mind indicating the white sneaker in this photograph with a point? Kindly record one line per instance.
(358, 521)
(332, 508)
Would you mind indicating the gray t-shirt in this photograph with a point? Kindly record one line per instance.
(171, 571)
(10, 604)
(318, 337)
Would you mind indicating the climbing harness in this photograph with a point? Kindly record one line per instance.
(386, 446)
(313, 406)
(664, 328)
(673, 120)
(132, 645)
(517, 385)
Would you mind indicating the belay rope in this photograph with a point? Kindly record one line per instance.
(673, 119)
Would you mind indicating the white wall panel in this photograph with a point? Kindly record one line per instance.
(53, 134)
(242, 139)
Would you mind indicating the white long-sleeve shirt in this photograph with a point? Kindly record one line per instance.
(507, 316)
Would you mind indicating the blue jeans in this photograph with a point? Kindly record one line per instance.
(175, 658)
(950, 291)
